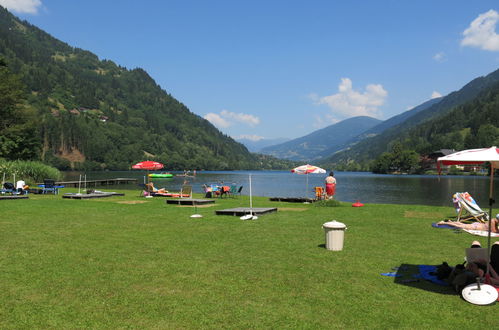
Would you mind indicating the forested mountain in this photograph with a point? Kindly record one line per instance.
(95, 114)
(257, 146)
(415, 132)
(322, 142)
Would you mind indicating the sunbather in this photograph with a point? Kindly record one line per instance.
(152, 189)
(475, 225)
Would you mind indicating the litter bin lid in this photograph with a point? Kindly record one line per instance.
(334, 225)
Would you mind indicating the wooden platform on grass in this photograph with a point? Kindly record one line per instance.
(292, 199)
(94, 195)
(240, 211)
(14, 197)
(189, 201)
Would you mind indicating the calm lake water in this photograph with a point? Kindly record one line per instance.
(366, 187)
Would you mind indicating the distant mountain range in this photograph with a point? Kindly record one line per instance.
(322, 142)
(362, 139)
(378, 140)
(258, 145)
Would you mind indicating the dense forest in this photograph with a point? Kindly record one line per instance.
(81, 112)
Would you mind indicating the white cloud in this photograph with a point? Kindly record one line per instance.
(440, 57)
(254, 138)
(22, 6)
(325, 120)
(435, 95)
(249, 120)
(217, 120)
(227, 118)
(482, 32)
(349, 102)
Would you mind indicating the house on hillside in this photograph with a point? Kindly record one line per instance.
(429, 162)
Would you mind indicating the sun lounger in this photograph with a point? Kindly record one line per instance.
(467, 208)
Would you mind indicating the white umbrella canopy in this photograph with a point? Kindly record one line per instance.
(472, 157)
(476, 157)
(308, 169)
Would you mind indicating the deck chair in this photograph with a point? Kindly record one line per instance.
(467, 209)
(186, 191)
(233, 190)
(49, 186)
(8, 187)
(319, 193)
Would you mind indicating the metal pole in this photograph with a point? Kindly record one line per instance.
(491, 202)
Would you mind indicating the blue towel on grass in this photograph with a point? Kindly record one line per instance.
(425, 270)
(436, 225)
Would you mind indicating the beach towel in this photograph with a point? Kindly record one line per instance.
(483, 233)
(443, 226)
(429, 273)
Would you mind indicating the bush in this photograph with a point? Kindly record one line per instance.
(29, 171)
(327, 203)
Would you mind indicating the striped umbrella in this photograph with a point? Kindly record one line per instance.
(308, 169)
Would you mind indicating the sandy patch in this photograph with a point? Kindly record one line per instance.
(424, 215)
(293, 209)
(131, 202)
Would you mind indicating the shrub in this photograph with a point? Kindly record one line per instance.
(327, 203)
(29, 171)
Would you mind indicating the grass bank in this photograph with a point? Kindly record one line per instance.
(140, 263)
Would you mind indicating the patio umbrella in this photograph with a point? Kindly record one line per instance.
(148, 165)
(308, 169)
(477, 157)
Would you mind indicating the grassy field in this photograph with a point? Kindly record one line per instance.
(132, 262)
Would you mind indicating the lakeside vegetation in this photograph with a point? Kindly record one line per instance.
(29, 171)
(134, 262)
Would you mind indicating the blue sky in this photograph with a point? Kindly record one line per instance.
(271, 69)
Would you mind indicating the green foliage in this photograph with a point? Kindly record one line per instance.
(399, 160)
(18, 133)
(327, 203)
(29, 171)
(96, 114)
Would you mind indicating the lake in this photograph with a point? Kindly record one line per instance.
(352, 186)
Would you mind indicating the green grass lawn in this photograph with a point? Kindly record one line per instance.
(132, 262)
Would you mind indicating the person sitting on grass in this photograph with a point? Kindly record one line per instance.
(475, 225)
(479, 267)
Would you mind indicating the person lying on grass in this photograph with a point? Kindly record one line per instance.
(475, 225)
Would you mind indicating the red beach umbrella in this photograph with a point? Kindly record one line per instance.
(148, 165)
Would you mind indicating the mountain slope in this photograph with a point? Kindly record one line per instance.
(371, 147)
(96, 114)
(322, 142)
(256, 146)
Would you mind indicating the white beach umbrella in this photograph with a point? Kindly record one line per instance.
(308, 169)
(477, 157)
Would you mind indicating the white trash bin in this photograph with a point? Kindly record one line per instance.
(335, 232)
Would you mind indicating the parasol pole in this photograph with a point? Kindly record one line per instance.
(491, 202)
(306, 187)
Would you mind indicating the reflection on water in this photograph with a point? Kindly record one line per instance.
(367, 187)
